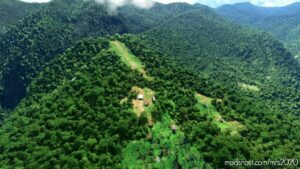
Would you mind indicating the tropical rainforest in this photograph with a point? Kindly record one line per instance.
(83, 85)
(283, 23)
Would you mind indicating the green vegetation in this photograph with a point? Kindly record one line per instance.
(205, 107)
(212, 90)
(27, 46)
(13, 10)
(165, 149)
(238, 121)
(227, 55)
(88, 77)
(73, 116)
(282, 22)
(128, 58)
(76, 123)
(249, 87)
(140, 20)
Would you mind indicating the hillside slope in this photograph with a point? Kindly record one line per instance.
(80, 112)
(282, 22)
(232, 57)
(139, 20)
(14, 10)
(29, 44)
(190, 92)
(89, 77)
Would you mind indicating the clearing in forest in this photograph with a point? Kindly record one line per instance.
(144, 104)
(128, 58)
(204, 106)
(249, 87)
(204, 99)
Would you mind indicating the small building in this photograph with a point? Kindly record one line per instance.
(174, 127)
(140, 97)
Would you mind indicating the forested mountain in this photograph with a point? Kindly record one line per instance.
(57, 25)
(13, 10)
(27, 45)
(231, 56)
(186, 88)
(82, 111)
(139, 20)
(282, 22)
(249, 68)
(79, 111)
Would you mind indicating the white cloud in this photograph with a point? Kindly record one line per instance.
(213, 3)
(113, 5)
(143, 3)
(275, 3)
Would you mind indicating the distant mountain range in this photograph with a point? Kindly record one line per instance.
(282, 22)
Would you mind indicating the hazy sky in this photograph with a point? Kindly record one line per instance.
(215, 3)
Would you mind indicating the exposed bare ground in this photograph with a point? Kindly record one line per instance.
(143, 106)
(138, 107)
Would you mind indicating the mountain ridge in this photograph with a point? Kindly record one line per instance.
(174, 86)
(14, 10)
(282, 22)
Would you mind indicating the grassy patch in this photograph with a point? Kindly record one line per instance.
(203, 99)
(249, 87)
(128, 58)
(204, 106)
